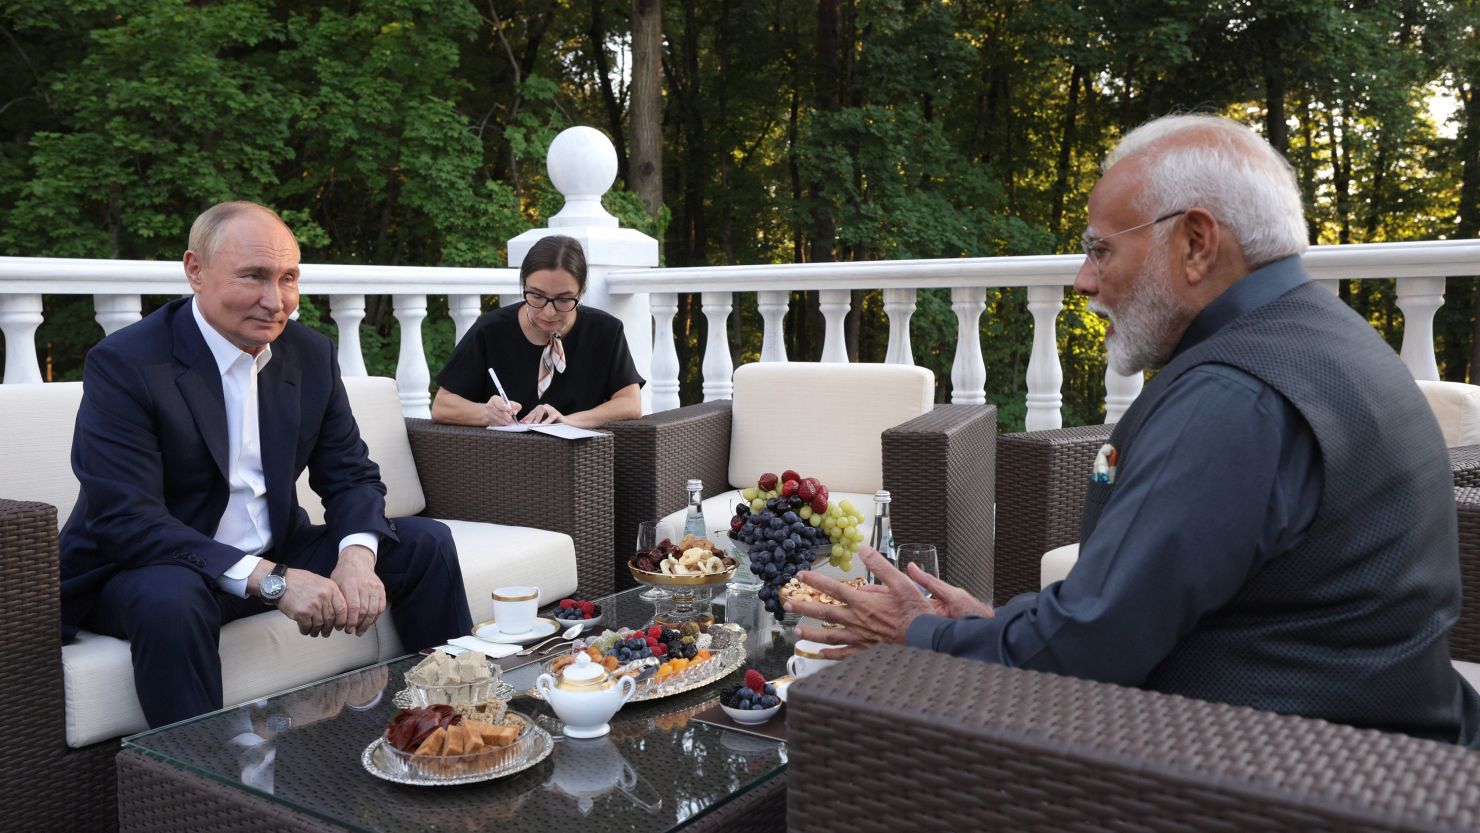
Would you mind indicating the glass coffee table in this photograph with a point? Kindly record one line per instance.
(293, 760)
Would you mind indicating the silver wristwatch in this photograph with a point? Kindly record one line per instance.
(274, 585)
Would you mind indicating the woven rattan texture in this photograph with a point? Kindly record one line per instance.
(762, 809)
(37, 760)
(1464, 639)
(1464, 461)
(899, 738)
(528, 479)
(160, 798)
(654, 457)
(940, 470)
(1041, 481)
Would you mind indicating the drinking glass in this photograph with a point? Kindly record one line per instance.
(649, 533)
(921, 555)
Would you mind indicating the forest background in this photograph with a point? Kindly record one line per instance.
(413, 132)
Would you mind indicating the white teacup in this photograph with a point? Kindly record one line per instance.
(806, 658)
(514, 608)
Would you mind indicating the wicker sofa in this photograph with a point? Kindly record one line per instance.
(553, 531)
(937, 462)
(898, 738)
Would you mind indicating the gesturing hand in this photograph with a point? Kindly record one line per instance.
(880, 613)
(314, 602)
(364, 594)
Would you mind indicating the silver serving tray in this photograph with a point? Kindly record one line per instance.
(537, 744)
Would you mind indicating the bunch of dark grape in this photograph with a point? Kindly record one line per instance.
(781, 544)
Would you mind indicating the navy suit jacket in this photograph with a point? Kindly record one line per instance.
(150, 454)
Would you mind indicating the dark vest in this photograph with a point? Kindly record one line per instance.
(1351, 626)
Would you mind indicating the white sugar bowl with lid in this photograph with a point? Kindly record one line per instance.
(585, 696)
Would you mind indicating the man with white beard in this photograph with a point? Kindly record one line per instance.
(1272, 522)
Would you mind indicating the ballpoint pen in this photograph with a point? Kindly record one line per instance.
(501, 393)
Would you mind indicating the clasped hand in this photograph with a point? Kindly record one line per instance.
(350, 599)
(879, 613)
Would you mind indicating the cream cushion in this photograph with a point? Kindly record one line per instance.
(823, 420)
(37, 422)
(1457, 407)
(265, 654)
(1056, 564)
(377, 407)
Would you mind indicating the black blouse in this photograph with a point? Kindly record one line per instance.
(597, 362)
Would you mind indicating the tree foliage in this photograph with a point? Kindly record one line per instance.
(414, 132)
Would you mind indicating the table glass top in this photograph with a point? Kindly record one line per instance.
(655, 771)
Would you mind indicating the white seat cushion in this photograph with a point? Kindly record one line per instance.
(377, 407)
(1056, 564)
(37, 422)
(1457, 407)
(265, 654)
(823, 420)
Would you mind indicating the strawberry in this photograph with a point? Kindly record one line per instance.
(754, 681)
(789, 488)
(789, 474)
(807, 489)
(819, 504)
(766, 482)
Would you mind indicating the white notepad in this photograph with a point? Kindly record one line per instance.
(554, 429)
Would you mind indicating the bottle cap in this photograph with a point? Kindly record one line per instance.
(695, 485)
(881, 496)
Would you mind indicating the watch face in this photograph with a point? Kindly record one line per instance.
(273, 587)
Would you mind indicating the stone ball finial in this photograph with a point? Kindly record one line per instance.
(583, 165)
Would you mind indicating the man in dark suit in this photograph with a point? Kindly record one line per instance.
(195, 424)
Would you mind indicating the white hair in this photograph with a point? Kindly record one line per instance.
(1213, 163)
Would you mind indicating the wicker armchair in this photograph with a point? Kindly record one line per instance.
(467, 474)
(938, 469)
(1041, 481)
(899, 738)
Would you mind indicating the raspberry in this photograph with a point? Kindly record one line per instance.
(754, 681)
(660, 649)
(655, 632)
(567, 604)
(588, 609)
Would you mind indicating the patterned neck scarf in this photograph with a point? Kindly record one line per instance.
(552, 361)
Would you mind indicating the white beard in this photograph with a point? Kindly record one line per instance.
(1144, 325)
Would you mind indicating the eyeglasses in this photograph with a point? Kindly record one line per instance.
(1095, 250)
(538, 301)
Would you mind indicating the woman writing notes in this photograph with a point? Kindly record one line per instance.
(557, 361)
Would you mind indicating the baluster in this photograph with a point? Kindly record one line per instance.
(772, 305)
(1419, 299)
(899, 305)
(1120, 392)
(665, 357)
(834, 304)
(412, 377)
(464, 310)
(968, 371)
(20, 315)
(1045, 374)
(348, 311)
(114, 312)
(718, 367)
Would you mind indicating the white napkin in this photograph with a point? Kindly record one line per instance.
(493, 649)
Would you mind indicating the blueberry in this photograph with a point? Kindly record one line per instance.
(790, 517)
(789, 545)
(777, 523)
(770, 700)
(771, 504)
(770, 689)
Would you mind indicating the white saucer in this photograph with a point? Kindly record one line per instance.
(542, 628)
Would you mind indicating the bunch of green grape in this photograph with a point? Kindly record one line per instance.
(842, 524)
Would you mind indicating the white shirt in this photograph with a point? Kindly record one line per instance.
(244, 525)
